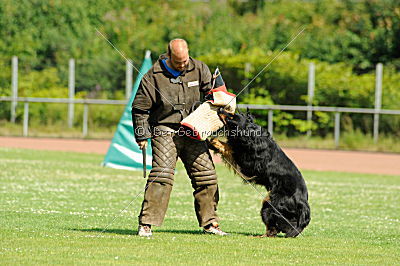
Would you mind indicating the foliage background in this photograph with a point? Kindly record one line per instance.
(344, 38)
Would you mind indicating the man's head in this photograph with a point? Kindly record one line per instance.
(178, 53)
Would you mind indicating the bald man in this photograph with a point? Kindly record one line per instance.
(165, 97)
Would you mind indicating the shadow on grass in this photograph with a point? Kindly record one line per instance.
(107, 231)
(134, 232)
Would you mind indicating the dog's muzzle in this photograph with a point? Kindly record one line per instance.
(224, 115)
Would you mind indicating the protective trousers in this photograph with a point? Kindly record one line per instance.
(199, 167)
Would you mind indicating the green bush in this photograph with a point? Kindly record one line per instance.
(48, 33)
(285, 82)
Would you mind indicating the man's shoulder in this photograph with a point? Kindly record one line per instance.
(199, 63)
(201, 66)
(151, 71)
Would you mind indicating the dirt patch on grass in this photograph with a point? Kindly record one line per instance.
(321, 160)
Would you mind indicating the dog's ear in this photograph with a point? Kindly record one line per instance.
(248, 114)
(249, 117)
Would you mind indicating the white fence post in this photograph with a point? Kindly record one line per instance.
(71, 92)
(311, 86)
(14, 87)
(26, 119)
(337, 129)
(270, 122)
(378, 99)
(85, 119)
(129, 78)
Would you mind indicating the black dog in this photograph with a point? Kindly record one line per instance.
(251, 150)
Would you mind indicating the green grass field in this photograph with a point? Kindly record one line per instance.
(55, 207)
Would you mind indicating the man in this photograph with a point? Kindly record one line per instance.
(165, 96)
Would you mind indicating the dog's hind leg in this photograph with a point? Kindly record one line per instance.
(270, 231)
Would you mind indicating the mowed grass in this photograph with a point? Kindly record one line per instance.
(65, 208)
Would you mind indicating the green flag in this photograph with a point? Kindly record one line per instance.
(123, 152)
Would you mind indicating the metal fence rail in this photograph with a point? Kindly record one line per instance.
(69, 101)
(62, 100)
(309, 109)
(320, 108)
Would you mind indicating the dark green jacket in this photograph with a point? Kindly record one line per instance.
(162, 101)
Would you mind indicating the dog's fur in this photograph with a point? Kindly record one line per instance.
(251, 150)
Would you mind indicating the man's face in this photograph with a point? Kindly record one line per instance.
(179, 61)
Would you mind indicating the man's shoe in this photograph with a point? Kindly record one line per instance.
(144, 230)
(213, 229)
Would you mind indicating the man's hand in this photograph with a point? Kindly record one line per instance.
(142, 144)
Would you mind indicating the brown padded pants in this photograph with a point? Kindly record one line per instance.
(199, 167)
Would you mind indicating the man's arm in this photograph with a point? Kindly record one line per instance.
(141, 111)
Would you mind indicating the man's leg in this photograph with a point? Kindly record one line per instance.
(200, 168)
(160, 181)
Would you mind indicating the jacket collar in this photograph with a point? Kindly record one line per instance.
(158, 65)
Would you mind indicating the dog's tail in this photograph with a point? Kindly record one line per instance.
(294, 232)
(302, 221)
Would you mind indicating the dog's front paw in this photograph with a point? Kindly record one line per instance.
(212, 144)
(216, 143)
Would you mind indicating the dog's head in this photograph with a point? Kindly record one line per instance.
(236, 120)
